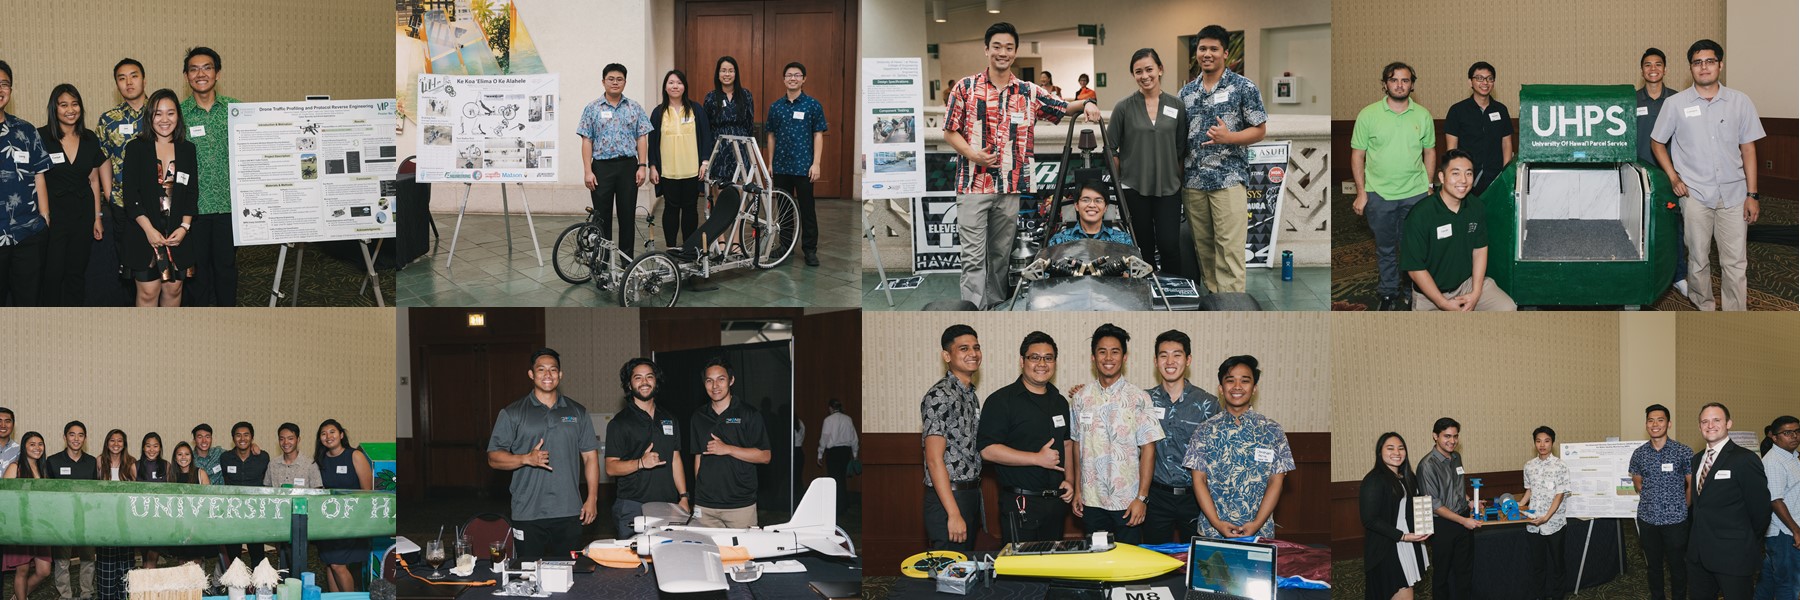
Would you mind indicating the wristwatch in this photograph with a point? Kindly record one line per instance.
(684, 494)
(642, 165)
(187, 226)
(1755, 196)
(1143, 498)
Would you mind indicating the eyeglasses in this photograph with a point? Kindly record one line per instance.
(1482, 79)
(1040, 358)
(1706, 62)
(794, 76)
(201, 68)
(5, 85)
(1788, 432)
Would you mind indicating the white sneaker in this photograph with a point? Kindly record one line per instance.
(1681, 286)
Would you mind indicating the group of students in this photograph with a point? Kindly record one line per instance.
(1149, 466)
(1184, 150)
(1709, 514)
(1440, 240)
(671, 147)
(141, 201)
(334, 464)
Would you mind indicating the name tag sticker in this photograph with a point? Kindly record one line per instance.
(232, 470)
(299, 482)
(606, 114)
(197, 131)
(687, 120)
(58, 158)
(1018, 118)
(63, 471)
(1443, 231)
(181, 178)
(1459, 471)
(1086, 418)
(1643, 111)
(1265, 455)
(215, 469)
(1690, 112)
(1723, 474)
(1220, 97)
(341, 470)
(1170, 112)
(22, 157)
(668, 429)
(1058, 421)
(1493, 116)
(799, 114)
(127, 128)
(1668, 467)
(1161, 413)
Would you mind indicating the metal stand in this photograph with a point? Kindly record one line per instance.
(372, 281)
(506, 215)
(1586, 541)
(275, 294)
(869, 234)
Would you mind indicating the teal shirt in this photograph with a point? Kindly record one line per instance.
(1395, 142)
(213, 151)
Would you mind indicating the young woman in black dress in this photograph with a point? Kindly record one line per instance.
(162, 197)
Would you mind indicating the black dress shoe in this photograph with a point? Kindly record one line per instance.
(812, 259)
(1388, 303)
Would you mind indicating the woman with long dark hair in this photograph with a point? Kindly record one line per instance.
(1393, 557)
(161, 196)
(1149, 133)
(152, 467)
(73, 463)
(32, 562)
(729, 110)
(77, 168)
(680, 143)
(341, 467)
(113, 562)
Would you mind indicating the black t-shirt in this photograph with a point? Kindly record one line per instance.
(59, 466)
(71, 195)
(243, 472)
(725, 481)
(634, 432)
(1478, 132)
(1023, 421)
(156, 470)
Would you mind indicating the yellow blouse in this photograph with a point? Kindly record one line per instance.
(680, 154)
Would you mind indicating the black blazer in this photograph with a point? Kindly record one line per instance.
(143, 193)
(1730, 515)
(1377, 502)
(703, 135)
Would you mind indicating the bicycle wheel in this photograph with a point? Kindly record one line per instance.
(576, 252)
(651, 280)
(776, 228)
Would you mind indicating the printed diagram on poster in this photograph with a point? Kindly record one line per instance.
(1262, 196)
(487, 129)
(892, 102)
(1600, 480)
(312, 171)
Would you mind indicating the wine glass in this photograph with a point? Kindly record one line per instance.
(434, 554)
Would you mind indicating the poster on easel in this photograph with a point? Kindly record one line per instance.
(312, 171)
(1600, 480)
(893, 107)
(488, 128)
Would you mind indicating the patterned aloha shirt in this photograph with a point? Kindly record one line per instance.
(118, 126)
(1179, 420)
(22, 159)
(613, 128)
(1110, 424)
(1662, 499)
(998, 120)
(794, 137)
(1107, 234)
(1547, 478)
(1236, 100)
(1237, 456)
(951, 410)
(212, 151)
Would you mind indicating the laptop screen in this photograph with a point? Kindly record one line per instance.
(1237, 568)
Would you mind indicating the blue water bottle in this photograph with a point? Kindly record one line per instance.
(1287, 265)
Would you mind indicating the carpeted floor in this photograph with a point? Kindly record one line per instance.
(1347, 578)
(1774, 276)
(324, 280)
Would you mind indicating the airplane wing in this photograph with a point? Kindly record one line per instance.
(826, 547)
(688, 563)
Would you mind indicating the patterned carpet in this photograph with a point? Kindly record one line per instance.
(324, 280)
(1772, 272)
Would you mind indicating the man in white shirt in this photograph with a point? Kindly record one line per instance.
(1781, 562)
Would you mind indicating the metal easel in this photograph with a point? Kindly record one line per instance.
(506, 215)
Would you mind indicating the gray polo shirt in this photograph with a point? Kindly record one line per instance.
(1442, 479)
(1703, 137)
(567, 432)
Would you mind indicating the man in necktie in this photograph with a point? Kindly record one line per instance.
(1730, 512)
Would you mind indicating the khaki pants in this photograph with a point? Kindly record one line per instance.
(64, 584)
(734, 518)
(1219, 220)
(1704, 227)
(1492, 297)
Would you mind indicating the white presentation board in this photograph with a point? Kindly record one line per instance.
(312, 171)
(1600, 479)
(488, 128)
(893, 109)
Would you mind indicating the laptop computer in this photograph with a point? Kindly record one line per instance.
(1228, 570)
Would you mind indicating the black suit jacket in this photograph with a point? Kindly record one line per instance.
(1730, 513)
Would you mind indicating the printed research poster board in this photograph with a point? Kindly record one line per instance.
(488, 128)
(312, 171)
(893, 105)
(1600, 479)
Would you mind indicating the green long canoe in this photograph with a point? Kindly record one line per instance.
(113, 513)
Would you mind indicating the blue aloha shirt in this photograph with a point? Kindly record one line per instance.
(1663, 497)
(113, 139)
(1224, 449)
(794, 137)
(617, 136)
(1107, 234)
(1219, 166)
(1179, 420)
(18, 179)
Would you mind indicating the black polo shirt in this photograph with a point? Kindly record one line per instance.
(243, 472)
(1443, 242)
(1647, 109)
(59, 466)
(1019, 419)
(725, 481)
(1478, 132)
(634, 432)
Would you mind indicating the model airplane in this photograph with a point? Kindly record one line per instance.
(694, 559)
(1095, 559)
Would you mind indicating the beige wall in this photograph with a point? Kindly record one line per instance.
(1746, 361)
(593, 344)
(1647, 368)
(166, 372)
(1591, 41)
(272, 51)
(1499, 375)
(1760, 41)
(903, 357)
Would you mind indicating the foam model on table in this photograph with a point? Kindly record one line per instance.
(695, 559)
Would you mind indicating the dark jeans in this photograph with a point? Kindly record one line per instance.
(1094, 518)
(215, 279)
(65, 266)
(615, 192)
(554, 538)
(837, 464)
(623, 511)
(937, 527)
(1040, 521)
(801, 189)
(1171, 517)
(1547, 548)
(231, 551)
(680, 213)
(1156, 227)
(21, 271)
(1452, 559)
(1387, 220)
(1660, 543)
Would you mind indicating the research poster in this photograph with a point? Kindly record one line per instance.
(312, 171)
(1600, 480)
(893, 104)
(488, 128)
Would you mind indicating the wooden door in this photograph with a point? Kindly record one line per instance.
(764, 36)
(464, 388)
